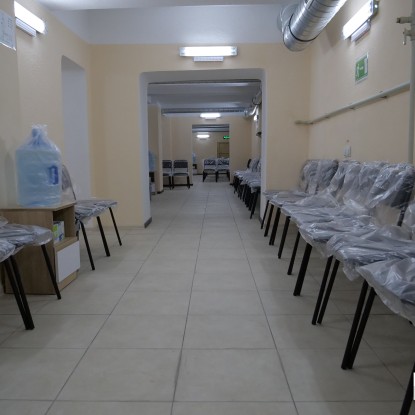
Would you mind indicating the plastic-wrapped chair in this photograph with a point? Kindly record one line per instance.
(394, 282)
(209, 167)
(168, 171)
(21, 236)
(222, 167)
(181, 169)
(87, 209)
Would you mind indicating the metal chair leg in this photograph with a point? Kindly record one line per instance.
(328, 292)
(275, 226)
(13, 273)
(271, 211)
(294, 253)
(88, 249)
(104, 239)
(284, 236)
(265, 214)
(115, 226)
(355, 326)
(409, 395)
(303, 269)
(321, 291)
(51, 272)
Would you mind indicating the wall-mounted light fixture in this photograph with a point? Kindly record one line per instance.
(208, 53)
(359, 24)
(210, 115)
(202, 136)
(27, 21)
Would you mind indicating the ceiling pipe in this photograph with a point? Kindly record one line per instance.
(300, 26)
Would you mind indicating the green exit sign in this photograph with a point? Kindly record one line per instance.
(226, 137)
(361, 70)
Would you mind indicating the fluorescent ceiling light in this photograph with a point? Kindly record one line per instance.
(369, 9)
(26, 18)
(210, 115)
(208, 51)
(203, 135)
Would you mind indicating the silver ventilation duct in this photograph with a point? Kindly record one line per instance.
(307, 21)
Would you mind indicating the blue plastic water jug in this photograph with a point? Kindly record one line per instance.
(39, 171)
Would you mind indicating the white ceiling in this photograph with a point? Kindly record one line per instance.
(132, 4)
(183, 22)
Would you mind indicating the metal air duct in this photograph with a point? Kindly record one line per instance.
(307, 21)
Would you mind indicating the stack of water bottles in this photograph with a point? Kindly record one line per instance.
(39, 170)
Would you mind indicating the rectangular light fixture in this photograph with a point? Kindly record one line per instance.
(210, 115)
(369, 9)
(28, 21)
(203, 136)
(208, 53)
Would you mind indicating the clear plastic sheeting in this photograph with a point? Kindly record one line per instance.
(20, 235)
(3, 221)
(100, 202)
(387, 242)
(88, 210)
(317, 234)
(307, 173)
(394, 282)
(6, 249)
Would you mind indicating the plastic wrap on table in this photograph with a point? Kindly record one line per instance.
(317, 234)
(393, 186)
(394, 282)
(3, 221)
(39, 170)
(6, 249)
(387, 242)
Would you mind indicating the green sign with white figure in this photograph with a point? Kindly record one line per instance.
(361, 69)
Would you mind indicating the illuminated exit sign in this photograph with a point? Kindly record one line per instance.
(226, 137)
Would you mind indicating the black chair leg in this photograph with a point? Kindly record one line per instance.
(216, 176)
(115, 226)
(265, 214)
(284, 236)
(254, 202)
(271, 211)
(409, 395)
(172, 182)
(321, 291)
(275, 226)
(303, 269)
(104, 239)
(188, 182)
(355, 326)
(51, 272)
(88, 249)
(294, 253)
(328, 292)
(13, 273)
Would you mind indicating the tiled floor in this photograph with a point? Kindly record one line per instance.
(195, 316)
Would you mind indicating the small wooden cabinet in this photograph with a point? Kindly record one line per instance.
(64, 255)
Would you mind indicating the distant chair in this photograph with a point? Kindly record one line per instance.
(209, 167)
(181, 169)
(222, 167)
(168, 171)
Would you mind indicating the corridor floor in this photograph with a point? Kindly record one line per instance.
(195, 316)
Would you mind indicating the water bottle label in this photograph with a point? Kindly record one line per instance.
(53, 175)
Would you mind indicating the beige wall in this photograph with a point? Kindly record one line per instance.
(378, 131)
(10, 127)
(117, 112)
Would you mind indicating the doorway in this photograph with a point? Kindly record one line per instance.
(223, 150)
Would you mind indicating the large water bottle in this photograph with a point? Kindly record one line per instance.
(39, 170)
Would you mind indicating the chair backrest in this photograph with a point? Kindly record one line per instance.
(67, 188)
(308, 178)
(209, 163)
(338, 180)
(167, 167)
(255, 165)
(223, 164)
(325, 172)
(180, 167)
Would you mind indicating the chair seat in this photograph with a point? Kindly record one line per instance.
(6, 249)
